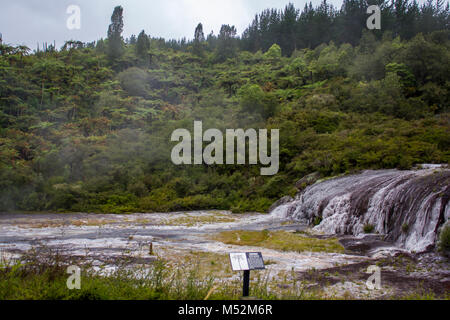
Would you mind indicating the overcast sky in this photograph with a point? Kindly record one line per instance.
(31, 21)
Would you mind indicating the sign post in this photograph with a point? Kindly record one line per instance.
(246, 287)
(245, 262)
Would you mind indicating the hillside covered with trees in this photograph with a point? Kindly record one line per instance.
(87, 127)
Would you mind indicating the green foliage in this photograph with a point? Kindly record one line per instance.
(142, 45)
(279, 240)
(444, 240)
(82, 131)
(134, 81)
(311, 27)
(405, 228)
(251, 96)
(199, 39)
(368, 228)
(115, 41)
(273, 53)
(226, 43)
(44, 277)
(49, 283)
(317, 221)
(254, 100)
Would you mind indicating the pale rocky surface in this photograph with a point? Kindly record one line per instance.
(109, 239)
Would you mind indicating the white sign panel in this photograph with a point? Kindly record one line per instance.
(246, 261)
(239, 261)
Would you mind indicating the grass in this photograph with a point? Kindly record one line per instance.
(42, 276)
(184, 220)
(279, 240)
(421, 294)
(207, 263)
(190, 221)
(90, 222)
(50, 284)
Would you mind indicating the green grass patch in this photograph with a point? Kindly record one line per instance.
(280, 240)
(47, 280)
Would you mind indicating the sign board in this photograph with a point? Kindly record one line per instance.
(246, 261)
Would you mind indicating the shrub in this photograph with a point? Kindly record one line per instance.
(274, 53)
(317, 221)
(252, 205)
(444, 240)
(405, 228)
(368, 228)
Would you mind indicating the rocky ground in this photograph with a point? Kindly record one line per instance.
(186, 238)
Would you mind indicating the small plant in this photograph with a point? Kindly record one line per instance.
(410, 268)
(368, 228)
(317, 221)
(269, 262)
(444, 240)
(405, 228)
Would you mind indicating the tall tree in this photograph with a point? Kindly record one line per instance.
(133, 39)
(142, 45)
(115, 40)
(288, 28)
(351, 21)
(227, 43)
(199, 38)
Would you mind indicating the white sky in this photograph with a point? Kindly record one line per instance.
(31, 21)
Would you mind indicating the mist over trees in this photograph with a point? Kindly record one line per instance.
(87, 127)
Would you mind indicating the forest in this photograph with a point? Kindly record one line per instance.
(86, 128)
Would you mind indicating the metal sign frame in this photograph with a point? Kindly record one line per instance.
(247, 261)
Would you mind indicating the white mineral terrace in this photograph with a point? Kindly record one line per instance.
(172, 234)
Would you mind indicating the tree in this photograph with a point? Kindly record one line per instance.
(133, 39)
(199, 38)
(351, 20)
(287, 29)
(115, 41)
(274, 53)
(142, 45)
(134, 81)
(254, 100)
(227, 45)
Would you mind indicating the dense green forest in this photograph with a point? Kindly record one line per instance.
(87, 127)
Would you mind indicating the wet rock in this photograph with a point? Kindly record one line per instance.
(363, 245)
(307, 180)
(280, 202)
(406, 207)
(401, 275)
